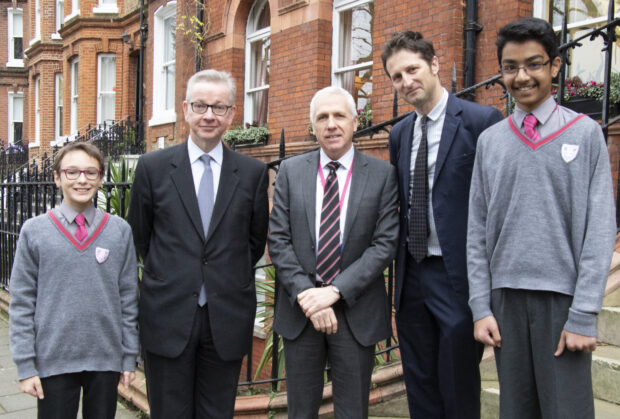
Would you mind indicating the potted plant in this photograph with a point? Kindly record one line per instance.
(251, 135)
(587, 97)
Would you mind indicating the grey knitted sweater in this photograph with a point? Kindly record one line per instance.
(541, 217)
(73, 306)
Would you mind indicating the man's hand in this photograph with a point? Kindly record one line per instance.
(32, 386)
(574, 342)
(314, 300)
(486, 331)
(325, 321)
(127, 378)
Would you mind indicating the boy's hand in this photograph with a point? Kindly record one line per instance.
(574, 342)
(127, 378)
(32, 386)
(486, 331)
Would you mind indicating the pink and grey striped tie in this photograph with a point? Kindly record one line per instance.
(530, 123)
(81, 233)
(328, 258)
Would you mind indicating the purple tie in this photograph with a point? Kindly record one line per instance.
(81, 233)
(530, 123)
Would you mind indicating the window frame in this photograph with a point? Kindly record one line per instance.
(101, 93)
(60, 17)
(74, 67)
(160, 114)
(37, 111)
(106, 7)
(58, 106)
(75, 10)
(37, 22)
(337, 43)
(11, 116)
(12, 61)
(254, 36)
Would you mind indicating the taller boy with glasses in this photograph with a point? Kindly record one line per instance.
(540, 236)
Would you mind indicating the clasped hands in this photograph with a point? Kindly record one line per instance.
(316, 304)
(486, 331)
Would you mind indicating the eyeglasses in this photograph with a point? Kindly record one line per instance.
(73, 173)
(219, 110)
(530, 68)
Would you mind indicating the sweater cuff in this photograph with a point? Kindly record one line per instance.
(26, 369)
(581, 323)
(129, 363)
(480, 308)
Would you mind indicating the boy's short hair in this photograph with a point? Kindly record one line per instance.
(528, 29)
(409, 40)
(87, 148)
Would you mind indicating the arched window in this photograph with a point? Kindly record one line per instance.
(257, 53)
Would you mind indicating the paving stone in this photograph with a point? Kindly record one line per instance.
(15, 402)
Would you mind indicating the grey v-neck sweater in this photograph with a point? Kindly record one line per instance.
(541, 218)
(73, 307)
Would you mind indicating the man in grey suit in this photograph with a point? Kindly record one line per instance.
(333, 231)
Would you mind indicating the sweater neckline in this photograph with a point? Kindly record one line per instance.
(69, 236)
(534, 145)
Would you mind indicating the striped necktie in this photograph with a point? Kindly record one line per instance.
(530, 123)
(328, 258)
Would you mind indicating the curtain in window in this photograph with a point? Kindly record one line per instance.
(107, 82)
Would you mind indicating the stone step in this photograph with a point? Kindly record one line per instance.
(609, 325)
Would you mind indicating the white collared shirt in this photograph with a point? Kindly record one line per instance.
(434, 128)
(345, 164)
(217, 154)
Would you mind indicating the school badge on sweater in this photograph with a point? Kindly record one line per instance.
(101, 254)
(569, 152)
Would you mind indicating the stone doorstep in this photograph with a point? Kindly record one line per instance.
(608, 325)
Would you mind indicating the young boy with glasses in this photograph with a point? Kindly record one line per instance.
(540, 236)
(73, 311)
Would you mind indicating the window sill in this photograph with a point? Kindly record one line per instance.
(34, 41)
(34, 145)
(15, 63)
(56, 36)
(72, 15)
(163, 119)
(105, 10)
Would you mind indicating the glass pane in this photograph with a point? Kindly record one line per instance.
(18, 108)
(74, 80)
(260, 107)
(578, 10)
(18, 49)
(18, 29)
(17, 132)
(169, 38)
(260, 63)
(587, 61)
(60, 13)
(264, 20)
(169, 70)
(356, 35)
(108, 73)
(59, 89)
(359, 84)
(107, 106)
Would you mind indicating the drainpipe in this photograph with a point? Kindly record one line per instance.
(471, 32)
(200, 16)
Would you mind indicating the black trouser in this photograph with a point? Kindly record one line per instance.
(62, 395)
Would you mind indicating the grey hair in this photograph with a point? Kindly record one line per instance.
(213, 76)
(333, 90)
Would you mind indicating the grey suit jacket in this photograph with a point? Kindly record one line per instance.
(369, 244)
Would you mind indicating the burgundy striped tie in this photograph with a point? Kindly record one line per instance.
(328, 258)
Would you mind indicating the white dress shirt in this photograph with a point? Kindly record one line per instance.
(217, 154)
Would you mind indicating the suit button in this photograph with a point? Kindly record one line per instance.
(204, 261)
(194, 294)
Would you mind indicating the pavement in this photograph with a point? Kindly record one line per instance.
(17, 405)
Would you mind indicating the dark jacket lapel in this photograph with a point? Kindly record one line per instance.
(229, 178)
(448, 134)
(309, 174)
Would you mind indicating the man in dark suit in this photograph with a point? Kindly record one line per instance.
(433, 319)
(332, 232)
(199, 214)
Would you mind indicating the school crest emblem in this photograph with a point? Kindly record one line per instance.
(569, 152)
(101, 254)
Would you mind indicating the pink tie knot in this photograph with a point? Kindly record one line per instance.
(530, 123)
(81, 233)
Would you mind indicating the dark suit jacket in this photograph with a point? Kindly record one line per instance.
(369, 244)
(168, 234)
(463, 123)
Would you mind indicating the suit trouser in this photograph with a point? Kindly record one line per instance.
(62, 395)
(533, 382)
(196, 384)
(436, 338)
(351, 368)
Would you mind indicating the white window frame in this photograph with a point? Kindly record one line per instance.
(75, 10)
(60, 18)
(58, 111)
(101, 93)
(106, 6)
(252, 37)
(74, 90)
(161, 115)
(12, 97)
(11, 13)
(37, 22)
(337, 43)
(37, 112)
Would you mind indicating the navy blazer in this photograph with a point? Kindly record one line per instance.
(463, 124)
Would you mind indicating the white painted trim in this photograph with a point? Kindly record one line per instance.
(161, 115)
(163, 118)
(12, 96)
(56, 36)
(252, 37)
(37, 109)
(15, 63)
(73, 107)
(11, 12)
(99, 92)
(105, 9)
(58, 87)
(72, 15)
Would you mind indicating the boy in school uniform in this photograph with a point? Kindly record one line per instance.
(73, 311)
(541, 233)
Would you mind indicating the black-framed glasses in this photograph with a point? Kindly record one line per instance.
(530, 68)
(72, 173)
(217, 109)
